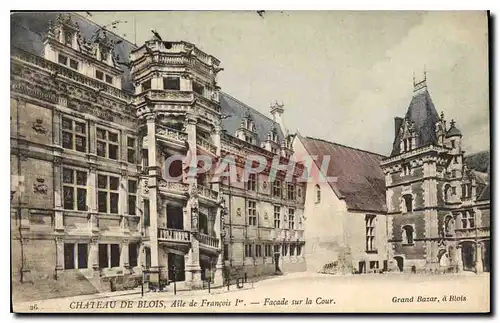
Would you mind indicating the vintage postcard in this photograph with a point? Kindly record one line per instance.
(250, 162)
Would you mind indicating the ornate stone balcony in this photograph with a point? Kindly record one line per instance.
(208, 193)
(178, 189)
(206, 240)
(168, 134)
(206, 145)
(174, 235)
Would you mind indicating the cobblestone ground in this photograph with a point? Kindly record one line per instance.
(304, 292)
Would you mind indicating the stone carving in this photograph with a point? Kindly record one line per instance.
(146, 188)
(40, 187)
(450, 226)
(264, 184)
(38, 127)
(265, 215)
(238, 212)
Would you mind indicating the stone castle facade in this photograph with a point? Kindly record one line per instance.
(94, 120)
(437, 205)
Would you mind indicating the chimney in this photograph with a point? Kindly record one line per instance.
(277, 114)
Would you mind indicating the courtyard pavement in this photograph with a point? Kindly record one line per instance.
(297, 292)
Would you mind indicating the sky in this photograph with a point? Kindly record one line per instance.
(343, 76)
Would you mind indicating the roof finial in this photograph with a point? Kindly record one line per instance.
(452, 123)
(442, 115)
(422, 84)
(425, 73)
(414, 78)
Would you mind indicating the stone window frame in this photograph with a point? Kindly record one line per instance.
(291, 188)
(248, 250)
(409, 242)
(136, 259)
(107, 142)
(299, 249)
(277, 189)
(404, 207)
(132, 194)
(251, 184)
(74, 133)
(75, 186)
(370, 233)
(172, 78)
(131, 148)
(258, 250)
(75, 255)
(277, 216)
(268, 250)
(108, 190)
(468, 216)
(291, 218)
(109, 255)
(252, 212)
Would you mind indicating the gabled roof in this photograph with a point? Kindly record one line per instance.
(360, 180)
(235, 110)
(479, 161)
(422, 112)
(29, 28)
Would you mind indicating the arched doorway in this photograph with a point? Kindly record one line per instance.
(468, 256)
(399, 262)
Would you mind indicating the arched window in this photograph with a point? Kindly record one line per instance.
(318, 194)
(407, 203)
(408, 234)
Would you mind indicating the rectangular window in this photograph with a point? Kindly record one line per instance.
(107, 193)
(291, 219)
(82, 255)
(285, 249)
(277, 217)
(276, 248)
(145, 158)
(252, 182)
(248, 250)
(107, 143)
(291, 192)
(171, 83)
(146, 212)
(453, 144)
(115, 255)
(267, 250)
(131, 150)
(109, 79)
(133, 252)
(252, 213)
(132, 197)
(370, 233)
(274, 150)
(62, 59)
(146, 85)
(74, 189)
(69, 256)
(249, 139)
(73, 64)
(299, 250)
(99, 75)
(277, 188)
(258, 250)
(103, 256)
(198, 88)
(74, 135)
(292, 250)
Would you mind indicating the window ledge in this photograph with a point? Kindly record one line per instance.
(408, 244)
(371, 251)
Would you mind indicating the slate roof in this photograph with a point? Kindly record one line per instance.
(453, 131)
(480, 162)
(423, 113)
(29, 28)
(236, 110)
(360, 180)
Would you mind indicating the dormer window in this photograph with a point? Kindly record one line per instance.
(104, 55)
(274, 135)
(407, 203)
(68, 39)
(109, 79)
(171, 83)
(99, 75)
(249, 139)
